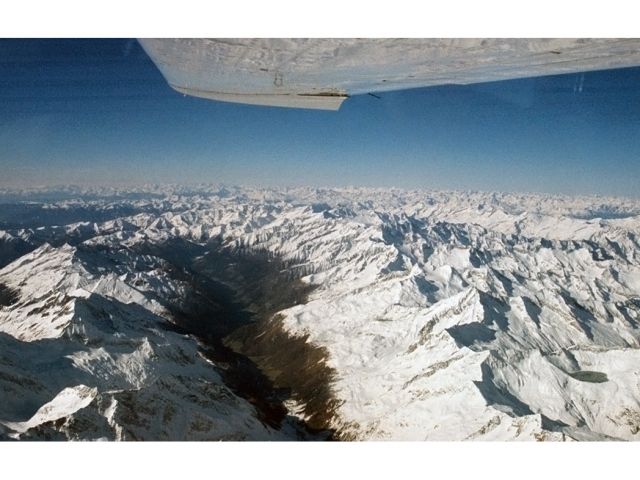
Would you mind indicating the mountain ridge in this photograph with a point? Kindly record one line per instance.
(442, 315)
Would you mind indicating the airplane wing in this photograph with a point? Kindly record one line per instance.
(322, 72)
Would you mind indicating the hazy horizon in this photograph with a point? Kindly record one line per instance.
(40, 192)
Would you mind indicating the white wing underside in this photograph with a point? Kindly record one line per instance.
(321, 73)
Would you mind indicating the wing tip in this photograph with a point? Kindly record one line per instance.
(322, 101)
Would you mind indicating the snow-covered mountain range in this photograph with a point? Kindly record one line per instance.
(238, 313)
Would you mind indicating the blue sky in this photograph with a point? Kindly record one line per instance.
(99, 112)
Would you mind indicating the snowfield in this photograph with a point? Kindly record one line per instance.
(441, 315)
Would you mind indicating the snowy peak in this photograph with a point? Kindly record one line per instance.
(422, 315)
